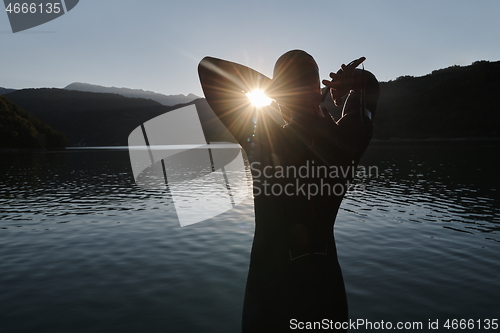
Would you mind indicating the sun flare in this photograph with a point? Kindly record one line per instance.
(258, 98)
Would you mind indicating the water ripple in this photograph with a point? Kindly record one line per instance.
(84, 249)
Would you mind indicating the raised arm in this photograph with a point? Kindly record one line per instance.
(224, 84)
(354, 129)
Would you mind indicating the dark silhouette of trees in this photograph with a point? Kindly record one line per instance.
(19, 129)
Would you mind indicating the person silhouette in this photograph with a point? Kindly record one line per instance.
(301, 172)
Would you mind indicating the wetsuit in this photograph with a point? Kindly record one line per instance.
(301, 172)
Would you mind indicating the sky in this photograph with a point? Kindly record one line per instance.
(156, 45)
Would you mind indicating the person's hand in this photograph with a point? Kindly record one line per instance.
(342, 81)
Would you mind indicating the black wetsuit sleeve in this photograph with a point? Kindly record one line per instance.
(224, 84)
(354, 130)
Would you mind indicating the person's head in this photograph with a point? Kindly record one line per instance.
(296, 79)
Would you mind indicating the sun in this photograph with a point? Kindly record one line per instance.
(258, 98)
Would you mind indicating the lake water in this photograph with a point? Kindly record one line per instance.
(83, 249)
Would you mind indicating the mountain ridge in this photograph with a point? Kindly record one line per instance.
(455, 102)
(167, 100)
(103, 119)
(4, 91)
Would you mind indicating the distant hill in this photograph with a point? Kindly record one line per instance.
(4, 91)
(19, 129)
(455, 102)
(167, 100)
(98, 119)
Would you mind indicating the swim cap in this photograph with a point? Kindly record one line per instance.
(295, 68)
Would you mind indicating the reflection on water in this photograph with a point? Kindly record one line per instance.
(40, 185)
(454, 187)
(83, 248)
(422, 242)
